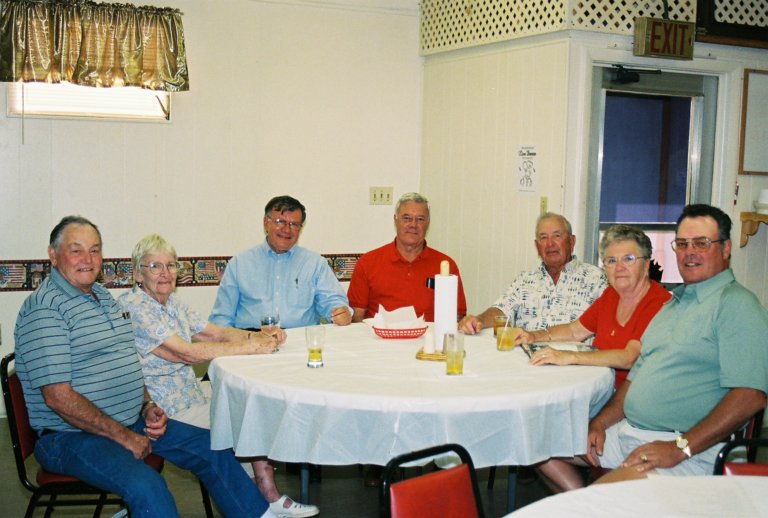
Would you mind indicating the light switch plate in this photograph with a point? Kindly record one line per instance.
(380, 196)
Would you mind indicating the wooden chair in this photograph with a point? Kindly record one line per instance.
(48, 486)
(751, 468)
(448, 493)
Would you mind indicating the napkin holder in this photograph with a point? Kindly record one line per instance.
(433, 357)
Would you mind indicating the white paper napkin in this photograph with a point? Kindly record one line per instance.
(400, 318)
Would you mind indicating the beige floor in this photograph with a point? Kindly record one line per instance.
(340, 494)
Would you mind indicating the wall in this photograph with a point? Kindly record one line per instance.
(316, 99)
(482, 104)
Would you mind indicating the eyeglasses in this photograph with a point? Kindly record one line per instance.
(280, 222)
(697, 243)
(158, 268)
(627, 260)
(408, 219)
(557, 237)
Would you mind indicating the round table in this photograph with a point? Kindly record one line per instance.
(373, 400)
(667, 496)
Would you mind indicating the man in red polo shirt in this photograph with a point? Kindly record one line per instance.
(396, 274)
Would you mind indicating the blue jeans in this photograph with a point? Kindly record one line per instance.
(105, 464)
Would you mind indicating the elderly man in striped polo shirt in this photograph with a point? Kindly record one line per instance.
(85, 392)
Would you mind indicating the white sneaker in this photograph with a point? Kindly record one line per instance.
(296, 510)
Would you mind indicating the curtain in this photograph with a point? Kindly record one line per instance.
(92, 44)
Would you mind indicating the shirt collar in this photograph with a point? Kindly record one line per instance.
(424, 254)
(702, 290)
(271, 253)
(146, 296)
(67, 287)
(568, 268)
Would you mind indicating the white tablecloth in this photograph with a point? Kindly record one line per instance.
(659, 496)
(374, 400)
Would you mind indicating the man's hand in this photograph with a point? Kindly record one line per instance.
(656, 454)
(341, 316)
(78, 411)
(470, 325)
(139, 445)
(595, 443)
(156, 422)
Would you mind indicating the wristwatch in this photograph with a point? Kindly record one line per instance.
(682, 444)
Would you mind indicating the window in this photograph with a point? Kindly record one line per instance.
(66, 100)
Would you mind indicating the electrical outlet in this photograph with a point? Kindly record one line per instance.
(380, 196)
(543, 202)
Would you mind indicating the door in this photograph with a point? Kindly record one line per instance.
(651, 154)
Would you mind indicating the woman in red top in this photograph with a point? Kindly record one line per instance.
(619, 317)
(617, 320)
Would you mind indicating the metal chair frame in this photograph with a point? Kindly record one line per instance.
(394, 473)
(751, 468)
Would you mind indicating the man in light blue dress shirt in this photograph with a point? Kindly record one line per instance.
(280, 277)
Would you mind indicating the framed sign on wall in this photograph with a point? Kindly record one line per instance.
(753, 146)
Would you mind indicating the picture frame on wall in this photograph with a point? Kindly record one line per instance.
(753, 151)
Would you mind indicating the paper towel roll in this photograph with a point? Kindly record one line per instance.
(446, 293)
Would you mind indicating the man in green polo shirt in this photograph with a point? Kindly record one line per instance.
(702, 371)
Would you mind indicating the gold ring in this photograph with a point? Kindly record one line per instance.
(644, 457)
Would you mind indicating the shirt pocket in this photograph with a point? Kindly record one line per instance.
(300, 295)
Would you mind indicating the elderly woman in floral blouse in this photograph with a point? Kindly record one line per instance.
(170, 337)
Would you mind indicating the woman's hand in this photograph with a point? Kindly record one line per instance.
(551, 356)
(156, 422)
(264, 343)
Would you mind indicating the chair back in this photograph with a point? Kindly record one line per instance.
(752, 431)
(749, 468)
(447, 493)
(23, 437)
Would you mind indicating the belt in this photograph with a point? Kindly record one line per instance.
(47, 431)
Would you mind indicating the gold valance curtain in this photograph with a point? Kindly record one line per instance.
(92, 44)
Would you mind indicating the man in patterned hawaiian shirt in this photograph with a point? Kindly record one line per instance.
(557, 292)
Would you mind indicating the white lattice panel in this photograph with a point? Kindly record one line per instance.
(451, 24)
(754, 13)
(618, 17)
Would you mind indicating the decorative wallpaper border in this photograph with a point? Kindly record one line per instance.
(27, 274)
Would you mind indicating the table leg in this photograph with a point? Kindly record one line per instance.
(304, 492)
(512, 489)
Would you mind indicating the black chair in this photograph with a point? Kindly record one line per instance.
(447, 493)
(751, 468)
(48, 486)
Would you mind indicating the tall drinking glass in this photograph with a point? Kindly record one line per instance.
(453, 346)
(315, 336)
(270, 323)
